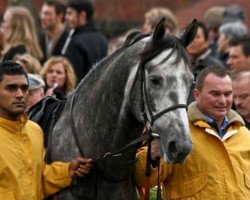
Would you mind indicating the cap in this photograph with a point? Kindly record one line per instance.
(35, 81)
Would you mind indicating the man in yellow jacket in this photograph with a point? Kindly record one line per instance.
(218, 166)
(23, 173)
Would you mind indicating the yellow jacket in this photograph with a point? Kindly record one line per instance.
(216, 168)
(23, 173)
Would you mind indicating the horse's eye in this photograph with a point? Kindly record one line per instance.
(155, 81)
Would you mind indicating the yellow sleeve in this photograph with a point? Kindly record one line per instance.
(55, 177)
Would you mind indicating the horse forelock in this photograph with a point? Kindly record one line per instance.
(168, 42)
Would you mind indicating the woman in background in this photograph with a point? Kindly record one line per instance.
(59, 77)
(19, 33)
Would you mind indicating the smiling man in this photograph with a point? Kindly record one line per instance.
(218, 165)
(24, 175)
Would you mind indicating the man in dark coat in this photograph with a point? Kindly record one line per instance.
(87, 46)
(55, 33)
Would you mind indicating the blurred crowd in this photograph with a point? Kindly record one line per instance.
(69, 44)
(58, 58)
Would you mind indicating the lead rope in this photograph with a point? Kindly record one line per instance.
(148, 166)
(158, 180)
(148, 174)
(73, 127)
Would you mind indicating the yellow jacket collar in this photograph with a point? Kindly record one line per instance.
(13, 126)
(194, 114)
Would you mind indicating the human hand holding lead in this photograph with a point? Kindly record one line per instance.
(80, 167)
(155, 149)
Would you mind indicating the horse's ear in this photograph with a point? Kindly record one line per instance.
(159, 30)
(189, 34)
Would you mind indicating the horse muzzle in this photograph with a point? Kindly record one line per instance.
(177, 151)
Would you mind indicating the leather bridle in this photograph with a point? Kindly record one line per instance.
(144, 101)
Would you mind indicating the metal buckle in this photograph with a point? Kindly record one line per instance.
(155, 135)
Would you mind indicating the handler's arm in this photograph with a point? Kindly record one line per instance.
(58, 175)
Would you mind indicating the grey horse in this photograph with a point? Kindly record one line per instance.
(144, 83)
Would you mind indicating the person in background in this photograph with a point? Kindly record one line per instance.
(55, 33)
(87, 46)
(28, 62)
(212, 19)
(200, 55)
(228, 32)
(239, 54)
(199, 52)
(23, 172)
(234, 13)
(218, 165)
(154, 15)
(35, 90)
(59, 77)
(241, 83)
(20, 35)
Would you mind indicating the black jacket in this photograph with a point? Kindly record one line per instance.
(57, 47)
(20, 49)
(86, 48)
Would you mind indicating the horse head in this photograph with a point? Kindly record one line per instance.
(165, 84)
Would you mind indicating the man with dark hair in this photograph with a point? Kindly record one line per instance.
(52, 18)
(239, 54)
(200, 55)
(24, 175)
(87, 46)
(227, 32)
(218, 165)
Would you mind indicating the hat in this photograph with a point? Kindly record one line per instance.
(234, 13)
(35, 82)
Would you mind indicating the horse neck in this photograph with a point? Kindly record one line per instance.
(100, 96)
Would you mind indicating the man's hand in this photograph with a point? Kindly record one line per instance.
(155, 149)
(80, 167)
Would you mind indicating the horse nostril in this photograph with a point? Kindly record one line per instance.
(177, 152)
(172, 147)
